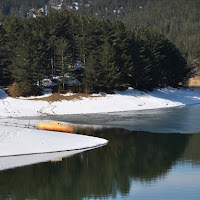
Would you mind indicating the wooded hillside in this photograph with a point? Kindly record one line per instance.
(178, 20)
(111, 55)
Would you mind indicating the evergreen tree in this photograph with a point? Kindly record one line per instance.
(2, 53)
(121, 48)
(11, 28)
(29, 60)
(92, 60)
(112, 56)
(61, 28)
(38, 49)
(157, 62)
(109, 75)
(63, 59)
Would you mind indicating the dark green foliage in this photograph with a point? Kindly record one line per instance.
(20, 7)
(2, 53)
(179, 20)
(157, 62)
(100, 70)
(29, 59)
(112, 56)
(63, 58)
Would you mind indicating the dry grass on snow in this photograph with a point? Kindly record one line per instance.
(60, 97)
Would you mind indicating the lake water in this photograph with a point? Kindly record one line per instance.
(146, 158)
(168, 120)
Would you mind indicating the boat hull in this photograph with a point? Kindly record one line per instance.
(55, 126)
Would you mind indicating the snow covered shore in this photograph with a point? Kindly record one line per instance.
(120, 101)
(20, 141)
(17, 141)
(24, 146)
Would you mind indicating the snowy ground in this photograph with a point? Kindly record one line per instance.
(23, 146)
(17, 141)
(120, 101)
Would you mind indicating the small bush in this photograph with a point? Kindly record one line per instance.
(23, 89)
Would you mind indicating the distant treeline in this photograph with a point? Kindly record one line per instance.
(178, 20)
(112, 56)
(20, 7)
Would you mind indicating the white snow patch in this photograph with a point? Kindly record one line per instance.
(17, 141)
(67, 94)
(21, 146)
(47, 93)
(120, 101)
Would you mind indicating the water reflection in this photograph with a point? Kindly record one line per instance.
(8, 162)
(107, 172)
(182, 182)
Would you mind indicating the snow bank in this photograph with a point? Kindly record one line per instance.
(19, 141)
(16, 142)
(120, 101)
(21, 146)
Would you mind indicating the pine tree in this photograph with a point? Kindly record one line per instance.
(121, 48)
(63, 59)
(109, 75)
(112, 56)
(30, 58)
(156, 61)
(2, 53)
(92, 58)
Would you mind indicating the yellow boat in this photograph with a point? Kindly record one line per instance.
(55, 126)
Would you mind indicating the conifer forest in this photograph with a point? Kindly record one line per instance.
(120, 43)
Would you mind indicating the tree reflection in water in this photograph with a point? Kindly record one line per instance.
(98, 173)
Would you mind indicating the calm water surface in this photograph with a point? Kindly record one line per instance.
(134, 165)
(168, 120)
